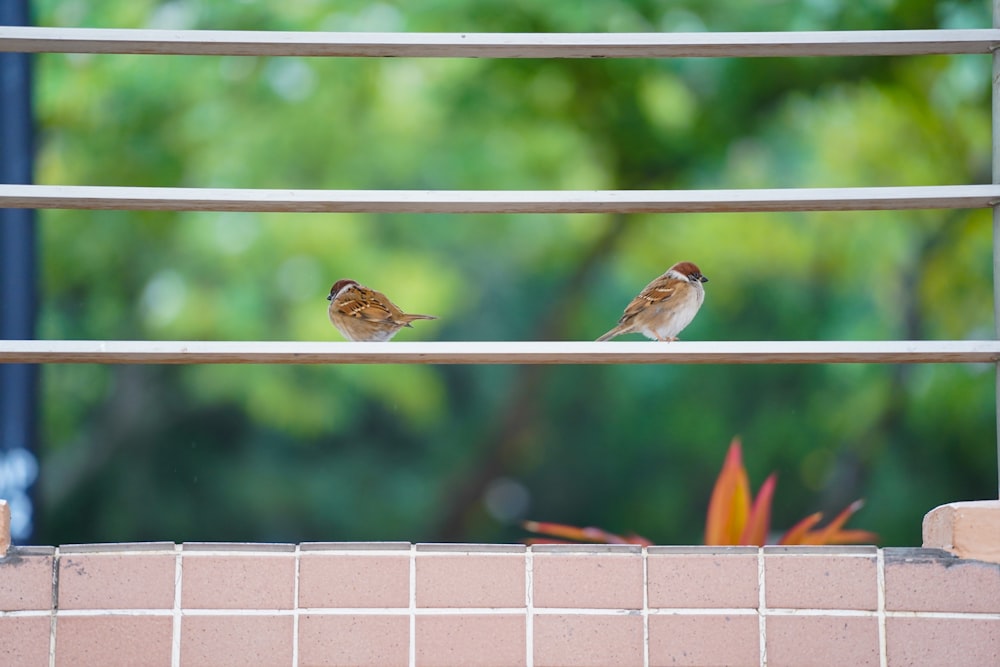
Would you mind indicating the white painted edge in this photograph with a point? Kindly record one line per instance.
(92, 197)
(497, 352)
(40, 39)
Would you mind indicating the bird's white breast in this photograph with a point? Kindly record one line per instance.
(676, 313)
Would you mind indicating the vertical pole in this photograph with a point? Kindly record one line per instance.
(996, 218)
(18, 382)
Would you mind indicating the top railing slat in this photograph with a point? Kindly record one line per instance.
(497, 201)
(33, 39)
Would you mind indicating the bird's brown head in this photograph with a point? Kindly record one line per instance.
(690, 271)
(339, 285)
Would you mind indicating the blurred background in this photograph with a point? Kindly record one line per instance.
(463, 453)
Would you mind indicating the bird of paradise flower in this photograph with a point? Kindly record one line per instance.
(734, 517)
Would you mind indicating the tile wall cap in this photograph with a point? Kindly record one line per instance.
(354, 546)
(586, 549)
(967, 529)
(828, 550)
(242, 547)
(456, 547)
(116, 547)
(917, 555)
(21, 552)
(701, 551)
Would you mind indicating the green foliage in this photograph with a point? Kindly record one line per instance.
(425, 453)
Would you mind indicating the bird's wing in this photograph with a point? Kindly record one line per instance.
(660, 290)
(365, 304)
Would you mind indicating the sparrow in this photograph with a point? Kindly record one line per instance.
(665, 306)
(362, 314)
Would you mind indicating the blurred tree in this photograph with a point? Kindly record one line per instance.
(428, 453)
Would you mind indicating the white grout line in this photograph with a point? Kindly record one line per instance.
(822, 612)
(703, 611)
(55, 607)
(529, 606)
(233, 554)
(645, 607)
(28, 613)
(576, 611)
(175, 640)
(488, 611)
(883, 659)
(821, 554)
(957, 615)
(413, 606)
(126, 553)
(761, 608)
(295, 608)
(71, 613)
(238, 612)
(363, 611)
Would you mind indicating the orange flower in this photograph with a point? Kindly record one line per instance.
(733, 519)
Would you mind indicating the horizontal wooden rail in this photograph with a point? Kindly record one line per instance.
(497, 201)
(498, 45)
(438, 352)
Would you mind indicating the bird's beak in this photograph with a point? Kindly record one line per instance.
(329, 297)
(703, 279)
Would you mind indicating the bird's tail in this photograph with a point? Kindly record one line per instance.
(409, 317)
(617, 331)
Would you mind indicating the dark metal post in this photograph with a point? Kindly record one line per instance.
(18, 382)
(996, 218)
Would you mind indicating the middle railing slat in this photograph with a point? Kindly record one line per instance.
(497, 352)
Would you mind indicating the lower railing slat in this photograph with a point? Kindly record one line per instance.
(494, 352)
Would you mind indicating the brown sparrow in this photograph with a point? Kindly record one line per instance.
(665, 306)
(362, 314)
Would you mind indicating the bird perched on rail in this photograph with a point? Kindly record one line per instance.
(362, 314)
(665, 306)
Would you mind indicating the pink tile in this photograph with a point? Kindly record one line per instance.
(588, 640)
(942, 641)
(221, 641)
(328, 580)
(24, 640)
(467, 640)
(821, 641)
(820, 582)
(593, 581)
(969, 529)
(690, 581)
(354, 641)
(117, 581)
(238, 581)
(106, 641)
(681, 640)
(941, 585)
(470, 580)
(25, 582)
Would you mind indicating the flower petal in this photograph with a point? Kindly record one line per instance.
(565, 533)
(798, 532)
(759, 520)
(730, 502)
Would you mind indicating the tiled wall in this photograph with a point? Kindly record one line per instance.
(391, 604)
